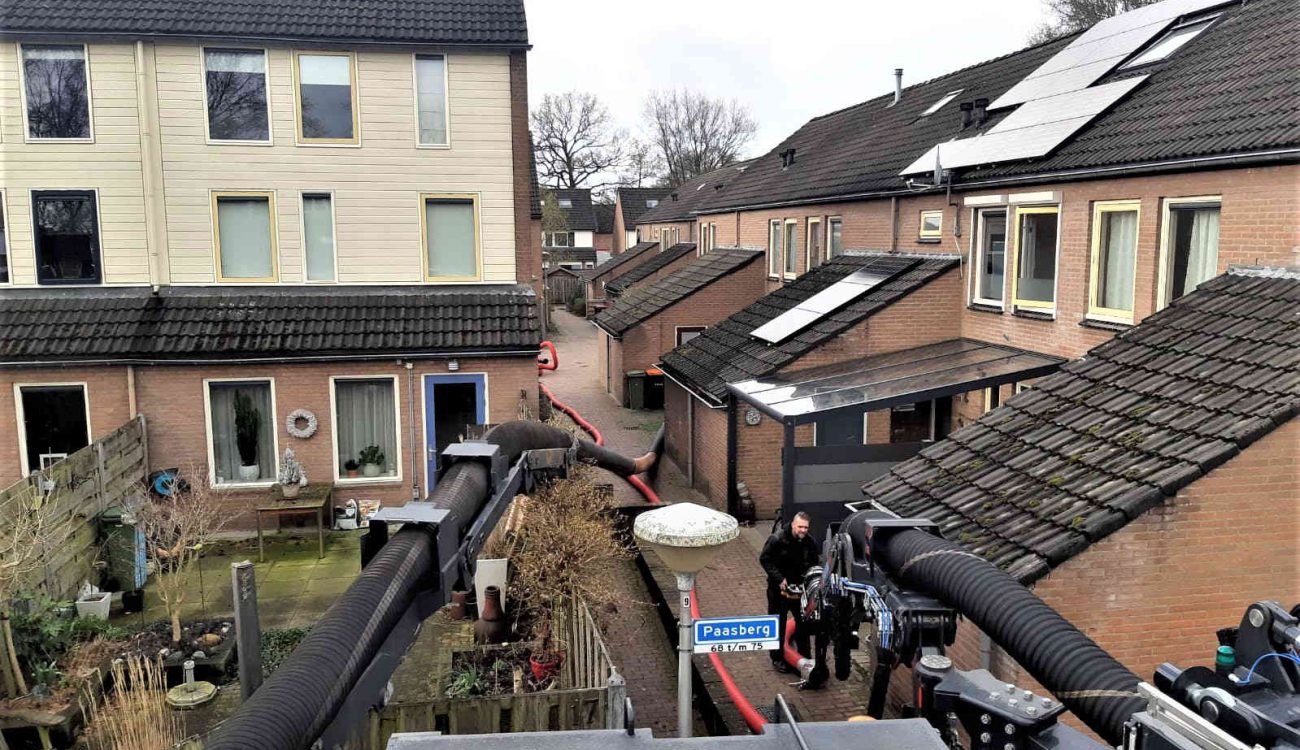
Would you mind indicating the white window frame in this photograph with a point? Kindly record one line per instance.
(266, 77)
(775, 240)
(20, 418)
(807, 241)
(791, 253)
(1099, 210)
(977, 254)
(274, 278)
(302, 233)
(415, 98)
(355, 75)
(829, 221)
(988, 398)
(22, 94)
(1164, 274)
(340, 476)
(207, 426)
(1045, 308)
(677, 333)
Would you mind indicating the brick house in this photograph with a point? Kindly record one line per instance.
(603, 239)
(660, 314)
(1133, 204)
(617, 265)
(629, 204)
(673, 220)
(1130, 472)
(235, 216)
(574, 245)
(654, 267)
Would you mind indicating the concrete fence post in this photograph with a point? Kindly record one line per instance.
(248, 631)
(614, 705)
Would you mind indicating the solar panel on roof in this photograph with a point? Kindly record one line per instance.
(1033, 130)
(823, 303)
(1098, 50)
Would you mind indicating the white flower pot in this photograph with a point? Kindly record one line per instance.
(95, 606)
(250, 473)
(371, 470)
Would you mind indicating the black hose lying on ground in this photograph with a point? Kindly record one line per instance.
(1089, 681)
(296, 705)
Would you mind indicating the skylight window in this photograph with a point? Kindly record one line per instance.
(651, 203)
(566, 203)
(1171, 42)
(942, 101)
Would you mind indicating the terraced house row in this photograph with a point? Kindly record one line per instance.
(274, 210)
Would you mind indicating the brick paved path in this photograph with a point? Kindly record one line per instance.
(733, 585)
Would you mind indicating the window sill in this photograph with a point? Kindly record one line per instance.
(434, 146)
(268, 484)
(928, 240)
(980, 307)
(355, 481)
(1105, 325)
(217, 142)
(1047, 317)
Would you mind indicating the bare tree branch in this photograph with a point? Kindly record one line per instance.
(575, 140)
(642, 165)
(1069, 16)
(695, 133)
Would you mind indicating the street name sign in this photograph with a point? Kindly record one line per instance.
(720, 635)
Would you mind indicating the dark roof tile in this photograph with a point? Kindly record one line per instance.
(644, 302)
(1116, 432)
(638, 253)
(646, 269)
(636, 201)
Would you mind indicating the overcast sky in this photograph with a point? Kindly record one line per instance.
(787, 60)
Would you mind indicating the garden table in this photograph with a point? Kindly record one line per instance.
(317, 499)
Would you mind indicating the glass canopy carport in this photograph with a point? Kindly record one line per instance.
(817, 480)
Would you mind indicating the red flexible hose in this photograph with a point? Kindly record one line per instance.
(553, 364)
(753, 719)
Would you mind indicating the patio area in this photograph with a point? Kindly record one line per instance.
(294, 587)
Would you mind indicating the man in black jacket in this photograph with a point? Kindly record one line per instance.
(787, 555)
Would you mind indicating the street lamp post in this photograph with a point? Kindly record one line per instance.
(686, 537)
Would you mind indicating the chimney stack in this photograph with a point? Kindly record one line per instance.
(981, 111)
(898, 85)
(966, 117)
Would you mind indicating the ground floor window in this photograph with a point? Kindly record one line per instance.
(365, 427)
(924, 420)
(53, 423)
(241, 414)
(842, 428)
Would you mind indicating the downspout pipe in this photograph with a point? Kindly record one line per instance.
(296, 705)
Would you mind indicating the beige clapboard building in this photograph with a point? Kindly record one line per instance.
(301, 206)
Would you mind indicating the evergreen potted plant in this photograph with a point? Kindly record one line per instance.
(248, 426)
(350, 466)
(292, 478)
(372, 461)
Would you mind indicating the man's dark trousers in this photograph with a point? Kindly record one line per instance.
(779, 604)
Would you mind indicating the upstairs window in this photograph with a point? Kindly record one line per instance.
(834, 237)
(990, 256)
(1035, 257)
(431, 99)
(791, 245)
(327, 97)
(451, 241)
(66, 228)
(57, 91)
(774, 262)
(558, 239)
(1172, 41)
(931, 225)
(235, 81)
(1191, 246)
(1114, 260)
(245, 236)
(4, 244)
(318, 236)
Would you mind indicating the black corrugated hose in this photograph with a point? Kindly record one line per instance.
(1089, 681)
(300, 700)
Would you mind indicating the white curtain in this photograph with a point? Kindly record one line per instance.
(450, 228)
(1119, 252)
(225, 448)
(774, 249)
(318, 226)
(366, 416)
(1203, 251)
(244, 226)
(431, 99)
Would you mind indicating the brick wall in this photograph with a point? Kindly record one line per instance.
(602, 242)
(685, 230)
(1158, 589)
(528, 236)
(642, 346)
(172, 400)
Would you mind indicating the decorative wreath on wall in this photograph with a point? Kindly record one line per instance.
(291, 424)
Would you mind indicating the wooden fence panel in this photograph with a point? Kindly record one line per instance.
(85, 484)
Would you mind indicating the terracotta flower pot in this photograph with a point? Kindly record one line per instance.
(544, 669)
(491, 626)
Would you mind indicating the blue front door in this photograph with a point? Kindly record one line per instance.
(451, 403)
